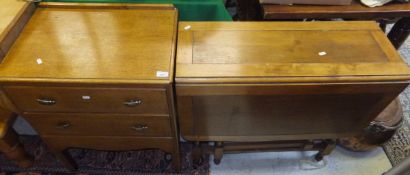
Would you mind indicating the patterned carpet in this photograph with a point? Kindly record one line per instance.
(398, 147)
(101, 162)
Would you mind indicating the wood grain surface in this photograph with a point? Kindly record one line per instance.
(354, 11)
(267, 81)
(60, 42)
(100, 124)
(89, 99)
(96, 76)
(284, 52)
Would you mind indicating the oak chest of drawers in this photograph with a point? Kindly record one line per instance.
(262, 82)
(95, 76)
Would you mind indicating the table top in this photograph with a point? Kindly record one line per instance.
(279, 52)
(94, 42)
(356, 11)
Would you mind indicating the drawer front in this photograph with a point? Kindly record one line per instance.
(104, 100)
(111, 143)
(100, 125)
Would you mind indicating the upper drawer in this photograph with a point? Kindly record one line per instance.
(100, 100)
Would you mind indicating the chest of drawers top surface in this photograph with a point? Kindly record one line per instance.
(86, 42)
(275, 52)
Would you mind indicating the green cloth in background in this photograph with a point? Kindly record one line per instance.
(189, 10)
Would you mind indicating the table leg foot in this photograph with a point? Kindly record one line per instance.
(326, 148)
(218, 152)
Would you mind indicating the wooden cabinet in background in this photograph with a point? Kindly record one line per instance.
(283, 81)
(97, 76)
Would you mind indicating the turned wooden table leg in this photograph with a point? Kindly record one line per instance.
(218, 152)
(399, 32)
(326, 148)
(197, 153)
(12, 149)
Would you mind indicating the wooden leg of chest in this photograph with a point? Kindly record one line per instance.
(218, 152)
(176, 161)
(9, 143)
(12, 149)
(64, 158)
(326, 148)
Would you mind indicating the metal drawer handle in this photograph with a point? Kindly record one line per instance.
(139, 127)
(63, 125)
(132, 103)
(46, 101)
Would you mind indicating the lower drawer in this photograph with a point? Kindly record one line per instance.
(100, 125)
(61, 143)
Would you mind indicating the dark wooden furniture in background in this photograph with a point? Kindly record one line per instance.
(95, 76)
(317, 82)
(9, 143)
(251, 10)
